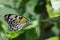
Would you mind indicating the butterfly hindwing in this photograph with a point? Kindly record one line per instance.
(16, 22)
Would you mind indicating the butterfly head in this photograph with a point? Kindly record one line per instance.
(6, 17)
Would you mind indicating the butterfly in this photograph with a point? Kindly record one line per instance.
(16, 22)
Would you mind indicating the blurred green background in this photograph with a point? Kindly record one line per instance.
(44, 16)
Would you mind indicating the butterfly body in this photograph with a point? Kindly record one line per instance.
(16, 22)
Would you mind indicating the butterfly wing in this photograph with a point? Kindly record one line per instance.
(16, 22)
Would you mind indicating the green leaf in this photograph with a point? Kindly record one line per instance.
(13, 34)
(53, 38)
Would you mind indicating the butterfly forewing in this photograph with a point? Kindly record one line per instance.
(16, 22)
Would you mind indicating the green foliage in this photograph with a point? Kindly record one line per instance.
(30, 34)
(53, 38)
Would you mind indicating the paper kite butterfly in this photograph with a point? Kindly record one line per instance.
(16, 22)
